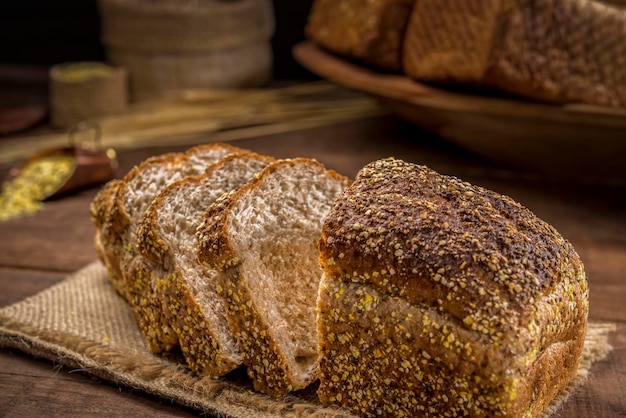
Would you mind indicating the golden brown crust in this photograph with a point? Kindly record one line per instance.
(490, 286)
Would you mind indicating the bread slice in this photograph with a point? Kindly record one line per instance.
(369, 30)
(186, 289)
(443, 297)
(134, 194)
(262, 238)
(550, 50)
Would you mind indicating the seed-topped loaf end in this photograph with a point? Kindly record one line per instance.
(443, 296)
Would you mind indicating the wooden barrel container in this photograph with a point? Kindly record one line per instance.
(172, 45)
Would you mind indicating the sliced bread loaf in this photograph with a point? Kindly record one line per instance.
(186, 289)
(262, 238)
(134, 194)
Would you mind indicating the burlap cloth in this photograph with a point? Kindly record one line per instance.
(83, 324)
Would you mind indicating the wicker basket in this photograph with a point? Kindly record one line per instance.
(170, 45)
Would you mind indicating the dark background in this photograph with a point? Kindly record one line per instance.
(42, 33)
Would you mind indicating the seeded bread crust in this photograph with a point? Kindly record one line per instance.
(443, 298)
(100, 209)
(268, 366)
(372, 31)
(101, 203)
(123, 221)
(205, 338)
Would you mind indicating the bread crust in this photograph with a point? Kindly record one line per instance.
(102, 201)
(104, 239)
(496, 299)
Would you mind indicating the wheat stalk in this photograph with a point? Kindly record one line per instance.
(213, 115)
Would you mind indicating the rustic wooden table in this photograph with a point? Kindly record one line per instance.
(38, 251)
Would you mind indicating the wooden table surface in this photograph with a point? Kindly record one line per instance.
(38, 251)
